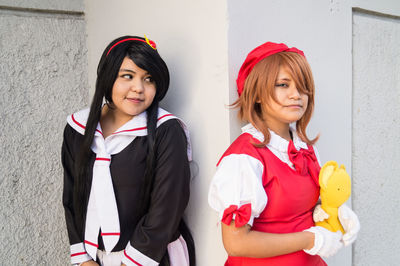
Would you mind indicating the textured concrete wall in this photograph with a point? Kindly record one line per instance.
(56, 5)
(376, 145)
(43, 77)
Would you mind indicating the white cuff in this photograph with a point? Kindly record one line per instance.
(318, 241)
(133, 257)
(78, 254)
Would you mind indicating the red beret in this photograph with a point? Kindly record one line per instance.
(258, 54)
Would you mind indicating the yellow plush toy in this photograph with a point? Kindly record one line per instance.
(335, 189)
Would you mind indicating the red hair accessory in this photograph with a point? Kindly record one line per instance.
(258, 54)
(149, 42)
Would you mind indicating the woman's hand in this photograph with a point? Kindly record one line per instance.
(350, 223)
(90, 263)
(123, 264)
(347, 218)
(326, 243)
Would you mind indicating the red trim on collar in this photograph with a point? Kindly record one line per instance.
(82, 126)
(92, 244)
(76, 122)
(140, 128)
(77, 254)
(164, 116)
(127, 130)
(137, 263)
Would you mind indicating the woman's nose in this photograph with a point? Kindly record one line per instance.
(137, 86)
(294, 92)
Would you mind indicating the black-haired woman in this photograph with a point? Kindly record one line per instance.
(126, 166)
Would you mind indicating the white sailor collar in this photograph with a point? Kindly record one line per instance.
(136, 127)
(276, 141)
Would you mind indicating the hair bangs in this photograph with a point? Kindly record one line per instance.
(299, 70)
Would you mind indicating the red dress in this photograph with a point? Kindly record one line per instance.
(292, 195)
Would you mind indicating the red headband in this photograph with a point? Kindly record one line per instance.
(258, 54)
(149, 42)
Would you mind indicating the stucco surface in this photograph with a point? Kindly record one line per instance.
(58, 5)
(376, 147)
(43, 77)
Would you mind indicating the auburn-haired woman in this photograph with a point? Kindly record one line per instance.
(266, 185)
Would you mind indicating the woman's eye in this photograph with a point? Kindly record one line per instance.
(284, 85)
(126, 76)
(149, 79)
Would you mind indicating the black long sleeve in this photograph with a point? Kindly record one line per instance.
(68, 162)
(170, 193)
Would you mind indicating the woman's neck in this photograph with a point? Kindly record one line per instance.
(281, 129)
(111, 119)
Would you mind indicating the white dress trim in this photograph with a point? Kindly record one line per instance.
(177, 252)
(78, 253)
(133, 257)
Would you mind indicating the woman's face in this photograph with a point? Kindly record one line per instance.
(290, 105)
(133, 90)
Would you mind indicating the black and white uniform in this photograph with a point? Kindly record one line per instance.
(144, 240)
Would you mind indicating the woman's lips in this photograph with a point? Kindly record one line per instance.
(294, 106)
(135, 100)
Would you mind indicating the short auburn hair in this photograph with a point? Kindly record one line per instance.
(259, 88)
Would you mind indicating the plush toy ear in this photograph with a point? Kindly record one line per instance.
(342, 167)
(326, 172)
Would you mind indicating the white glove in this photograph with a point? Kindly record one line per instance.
(350, 223)
(319, 214)
(326, 243)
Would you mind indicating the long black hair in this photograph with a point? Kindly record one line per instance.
(147, 58)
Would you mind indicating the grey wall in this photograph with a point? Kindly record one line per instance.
(376, 145)
(43, 77)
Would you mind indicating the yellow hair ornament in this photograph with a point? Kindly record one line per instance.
(150, 42)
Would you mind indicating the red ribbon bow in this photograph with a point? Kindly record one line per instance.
(304, 161)
(243, 215)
